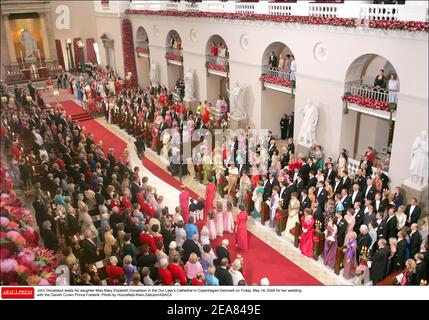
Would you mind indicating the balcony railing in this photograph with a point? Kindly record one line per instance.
(142, 47)
(410, 11)
(217, 63)
(369, 92)
(275, 73)
(174, 54)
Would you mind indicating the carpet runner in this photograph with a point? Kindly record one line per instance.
(260, 260)
(76, 112)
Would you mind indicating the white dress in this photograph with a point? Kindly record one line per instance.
(133, 158)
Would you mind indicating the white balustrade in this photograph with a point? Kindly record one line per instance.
(369, 92)
(244, 7)
(410, 11)
(325, 10)
(280, 9)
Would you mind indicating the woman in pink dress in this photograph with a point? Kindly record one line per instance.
(155, 138)
(241, 229)
(210, 195)
(184, 203)
(219, 219)
(211, 225)
(228, 219)
(306, 244)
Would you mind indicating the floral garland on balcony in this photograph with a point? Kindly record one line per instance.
(173, 57)
(216, 67)
(276, 81)
(128, 50)
(22, 261)
(367, 102)
(410, 26)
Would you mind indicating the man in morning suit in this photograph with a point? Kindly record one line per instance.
(379, 262)
(413, 212)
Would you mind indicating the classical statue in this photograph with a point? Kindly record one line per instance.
(307, 135)
(29, 44)
(419, 160)
(189, 85)
(236, 102)
(153, 74)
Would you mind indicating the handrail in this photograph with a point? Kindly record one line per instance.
(275, 72)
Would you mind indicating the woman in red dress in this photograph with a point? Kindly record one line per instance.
(241, 229)
(306, 244)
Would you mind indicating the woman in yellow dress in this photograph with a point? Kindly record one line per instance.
(294, 206)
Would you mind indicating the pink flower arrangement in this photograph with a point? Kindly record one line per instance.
(22, 261)
(367, 102)
(276, 81)
(409, 26)
(173, 57)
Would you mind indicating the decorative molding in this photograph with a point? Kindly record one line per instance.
(320, 52)
(193, 35)
(244, 41)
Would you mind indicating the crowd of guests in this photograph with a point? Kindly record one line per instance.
(91, 207)
(357, 214)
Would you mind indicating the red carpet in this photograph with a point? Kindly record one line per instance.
(259, 261)
(76, 112)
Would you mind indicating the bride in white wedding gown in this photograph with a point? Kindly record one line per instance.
(133, 158)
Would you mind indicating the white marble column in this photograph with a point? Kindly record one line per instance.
(10, 45)
(45, 40)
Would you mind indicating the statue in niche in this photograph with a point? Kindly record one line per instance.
(419, 160)
(307, 134)
(29, 43)
(236, 102)
(153, 74)
(189, 85)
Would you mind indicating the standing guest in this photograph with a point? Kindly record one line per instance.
(110, 243)
(211, 225)
(330, 248)
(421, 269)
(192, 267)
(342, 228)
(49, 237)
(211, 279)
(228, 219)
(191, 229)
(209, 198)
(274, 204)
(306, 243)
(409, 274)
(294, 206)
(413, 212)
(415, 240)
(184, 203)
(113, 271)
(164, 275)
(219, 219)
(364, 242)
(284, 123)
(380, 80)
(398, 198)
(129, 249)
(180, 234)
(349, 260)
(379, 262)
(393, 87)
(401, 218)
(241, 229)
(235, 272)
(391, 224)
(222, 252)
(401, 250)
(222, 274)
(177, 271)
(136, 280)
(393, 246)
(129, 268)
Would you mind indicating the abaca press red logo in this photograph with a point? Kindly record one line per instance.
(17, 293)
